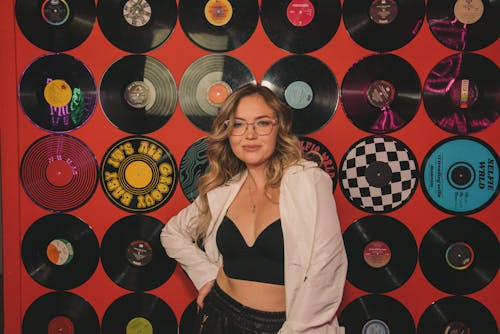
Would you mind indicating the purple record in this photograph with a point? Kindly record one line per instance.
(462, 93)
(381, 93)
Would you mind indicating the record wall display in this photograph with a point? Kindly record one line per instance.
(137, 25)
(376, 314)
(317, 151)
(300, 26)
(57, 92)
(382, 253)
(138, 94)
(193, 165)
(381, 93)
(460, 175)
(60, 251)
(58, 25)
(462, 93)
(459, 255)
(457, 314)
(132, 254)
(139, 313)
(206, 84)
(308, 86)
(464, 25)
(60, 312)
(59, 172)
(383, 25)
(378, 174)
(218, 25)
(138, 174)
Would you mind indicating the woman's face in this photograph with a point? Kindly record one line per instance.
(252, 148)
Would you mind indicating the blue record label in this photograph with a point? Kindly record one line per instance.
(460, 175)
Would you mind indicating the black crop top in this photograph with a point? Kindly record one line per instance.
(263, 262)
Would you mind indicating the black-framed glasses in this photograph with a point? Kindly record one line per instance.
(262, 126)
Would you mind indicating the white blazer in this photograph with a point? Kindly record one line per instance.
(315, 258)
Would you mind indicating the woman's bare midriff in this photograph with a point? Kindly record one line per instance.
(256, 295)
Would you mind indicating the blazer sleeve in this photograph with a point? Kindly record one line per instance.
(320, 294)
(181, 246)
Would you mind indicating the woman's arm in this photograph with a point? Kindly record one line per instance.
(177, 239)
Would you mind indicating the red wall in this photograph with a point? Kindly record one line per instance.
(177, 53)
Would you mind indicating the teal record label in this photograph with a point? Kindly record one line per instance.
(461, 175)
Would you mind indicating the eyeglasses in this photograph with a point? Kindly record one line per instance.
(262, 126)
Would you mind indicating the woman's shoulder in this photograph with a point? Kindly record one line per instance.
(305, 170)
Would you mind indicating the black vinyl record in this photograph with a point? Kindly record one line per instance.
(383, 25)
(378, 174)
(218, 25)
(376, 314)
(205, 85)
(138, 94)
(308, 86)
(138, 174)
(381, 93)
(300, 26)
(132, 254)
(318, 152)
(58, 25)
(57, 92)
(60, 312)
(139, 313)
(382, 253)
(60, 251)
(457, 314)
(464, 25)
(193, 165)
(188, 318)
(462, 93)
(137, 25)
(459, 255)
(59, 172)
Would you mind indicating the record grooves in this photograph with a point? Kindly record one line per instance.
(192, 166)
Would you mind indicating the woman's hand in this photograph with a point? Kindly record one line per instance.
(203, 292)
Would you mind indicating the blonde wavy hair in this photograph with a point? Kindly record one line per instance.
(223, 165)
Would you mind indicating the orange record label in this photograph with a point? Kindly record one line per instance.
(218, 12)
(217, 93)
(57, 93)
(468, 11)
(60, 252)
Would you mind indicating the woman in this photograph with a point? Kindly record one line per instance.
(262, 242)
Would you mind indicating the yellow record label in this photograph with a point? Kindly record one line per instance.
(218, 12)
(138, 174)
(57, 93)
(139, 325)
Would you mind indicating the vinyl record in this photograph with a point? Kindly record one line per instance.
(300, 26)
(378, 174)
(459, 255)
(193, 165)
(137, 25)
(60, 251)
(462, 93)
(138, 174)
(132, 255)
(379, 314)
(59, 172)
(383, 25)
(460, 175)
(188, 319)
(382, 253)
(308, 86)
(60, 312)
(381, 93)
(139, 313)
(57, 92)
(138, 94)
(316, 151)
(457, 314)
(205, 85)
(218, 25)
(464, 25)
(58, 25)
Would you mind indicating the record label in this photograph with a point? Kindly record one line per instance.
(461, 175)
(138, 174)
(60, 252)
(379, 174)
(139, 325)
(139, 253)
(377, 254)
(137, 13)
(55, 12)
(383, 11)
(459, 255)
(218, 12)
(375, 326)
(60, 325)
(468, 11)
(300, 12)
(298, 95)
(193, 165)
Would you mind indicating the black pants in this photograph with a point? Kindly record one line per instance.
(221, 314)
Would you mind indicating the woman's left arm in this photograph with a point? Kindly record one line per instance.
(319, 295)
